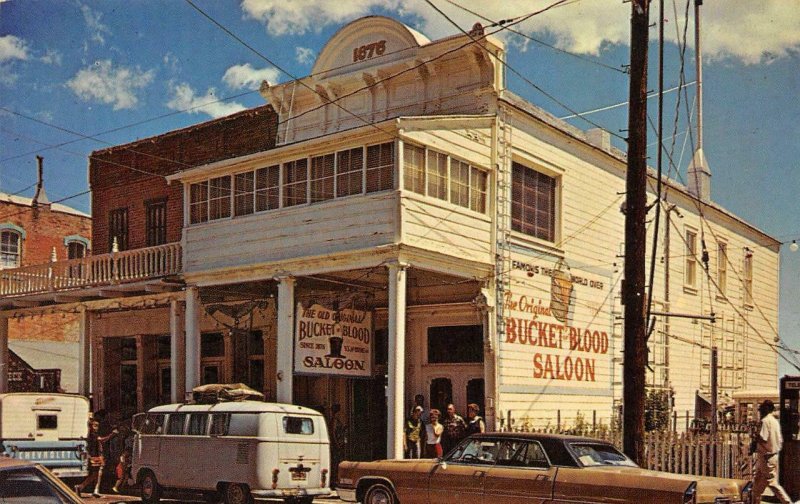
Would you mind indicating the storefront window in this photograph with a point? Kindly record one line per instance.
(455, 344)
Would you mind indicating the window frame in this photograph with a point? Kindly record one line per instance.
(553, 192)
(155, 222)
(690, 237)
(747, 277)
(5, 249)
(119, 228)
(722, 268)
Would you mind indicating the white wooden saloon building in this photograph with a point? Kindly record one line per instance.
(480, 235)
(419, 229)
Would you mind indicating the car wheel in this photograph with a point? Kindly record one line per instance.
(379, 494)
(236, 493)
(150, 489)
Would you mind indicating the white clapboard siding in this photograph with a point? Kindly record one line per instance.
(446, 228)
(347, 224)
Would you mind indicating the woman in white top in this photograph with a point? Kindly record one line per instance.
(433, 435)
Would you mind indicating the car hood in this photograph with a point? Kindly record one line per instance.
(708, 488)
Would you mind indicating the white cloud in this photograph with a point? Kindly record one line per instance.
(185, 99)
(245, 76)
(103, 83)
(750, 32)
(7, 77)
(12, 48)
(51, 57)
(304, 55)
(92, 19)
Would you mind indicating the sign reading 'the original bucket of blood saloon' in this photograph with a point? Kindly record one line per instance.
(557, 326)
(333, 342)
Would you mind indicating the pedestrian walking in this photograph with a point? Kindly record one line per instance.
(454, 429)
(94, 449)
(768, 444)
(413, 434)
(433, 435)
(475, 423)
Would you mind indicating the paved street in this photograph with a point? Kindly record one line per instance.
(113, 499)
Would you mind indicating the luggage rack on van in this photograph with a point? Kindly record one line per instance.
(213, 393)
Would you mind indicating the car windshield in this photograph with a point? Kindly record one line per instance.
(591, 455)
(481, 451)
(28, 486)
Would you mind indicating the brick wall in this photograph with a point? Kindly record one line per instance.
(120, 176)
(45, 229)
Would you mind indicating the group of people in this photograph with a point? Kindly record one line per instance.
(431, 435)
(108, 449)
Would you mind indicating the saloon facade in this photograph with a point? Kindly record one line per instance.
(415, 228)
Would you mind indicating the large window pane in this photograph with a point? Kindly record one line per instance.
(244, 188)
(219, 198)
(380, 167)
(295, 177)
(322, 177)
(9, 249)
(414, 168)
(268, 189)
(533, 207)
(437, 175)
(478, 179)
(455, 344)
(349, 172)
(459, 183)
(198, 202)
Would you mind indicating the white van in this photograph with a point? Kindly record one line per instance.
(50, 429)
(242, 450)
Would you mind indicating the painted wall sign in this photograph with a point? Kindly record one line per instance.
(557, 329)
(333, 343)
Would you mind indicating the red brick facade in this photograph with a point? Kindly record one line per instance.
(119, 176)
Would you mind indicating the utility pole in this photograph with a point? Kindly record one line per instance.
(633, 287)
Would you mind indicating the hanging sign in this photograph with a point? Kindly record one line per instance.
(333, 342)
(557, 326)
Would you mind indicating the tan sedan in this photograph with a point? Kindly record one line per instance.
(506, 468)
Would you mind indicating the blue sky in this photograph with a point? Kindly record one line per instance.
(93, 66)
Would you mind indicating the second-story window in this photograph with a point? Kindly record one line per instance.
(533, 203)
(10, 249)
(198, 202)
(76, 250)
(156, 222)
(349, 172)
(722, 267)
(437, 175)
(322, 174)
(690, 264)
(268, 190)
(380, 167)
(118, 228)
(243, 193)
(414, 168)
(747, 275)
(295, 182)
(219, 198)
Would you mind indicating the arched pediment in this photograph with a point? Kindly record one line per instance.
(366, 41)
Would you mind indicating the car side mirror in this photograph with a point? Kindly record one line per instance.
(442, 464)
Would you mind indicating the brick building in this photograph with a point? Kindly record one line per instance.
(34, 231)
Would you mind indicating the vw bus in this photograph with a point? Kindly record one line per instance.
(49, 429)
(242, 451)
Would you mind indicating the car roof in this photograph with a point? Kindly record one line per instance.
(539, 436)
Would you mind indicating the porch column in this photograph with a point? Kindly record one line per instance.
(192, 342)
(285, 343)
(177, 353)
(84, 352)
(3, 354)
(397, 360)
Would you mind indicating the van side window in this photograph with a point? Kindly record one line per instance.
(175, 423)
(243, 424)
(197, 424)
(219, 424)
(153, 424)
(46, 422)
(298, 425)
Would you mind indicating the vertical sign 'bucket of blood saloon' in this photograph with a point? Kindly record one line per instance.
(557, 333)
(333, 342)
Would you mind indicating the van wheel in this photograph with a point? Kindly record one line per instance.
(150, 489)
(236, 493)
(379, 494)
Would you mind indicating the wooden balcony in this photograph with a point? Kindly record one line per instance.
(122, 269)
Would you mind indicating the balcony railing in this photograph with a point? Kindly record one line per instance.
(93, 271)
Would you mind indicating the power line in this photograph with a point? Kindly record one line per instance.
(541, 42)
(518, 74)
